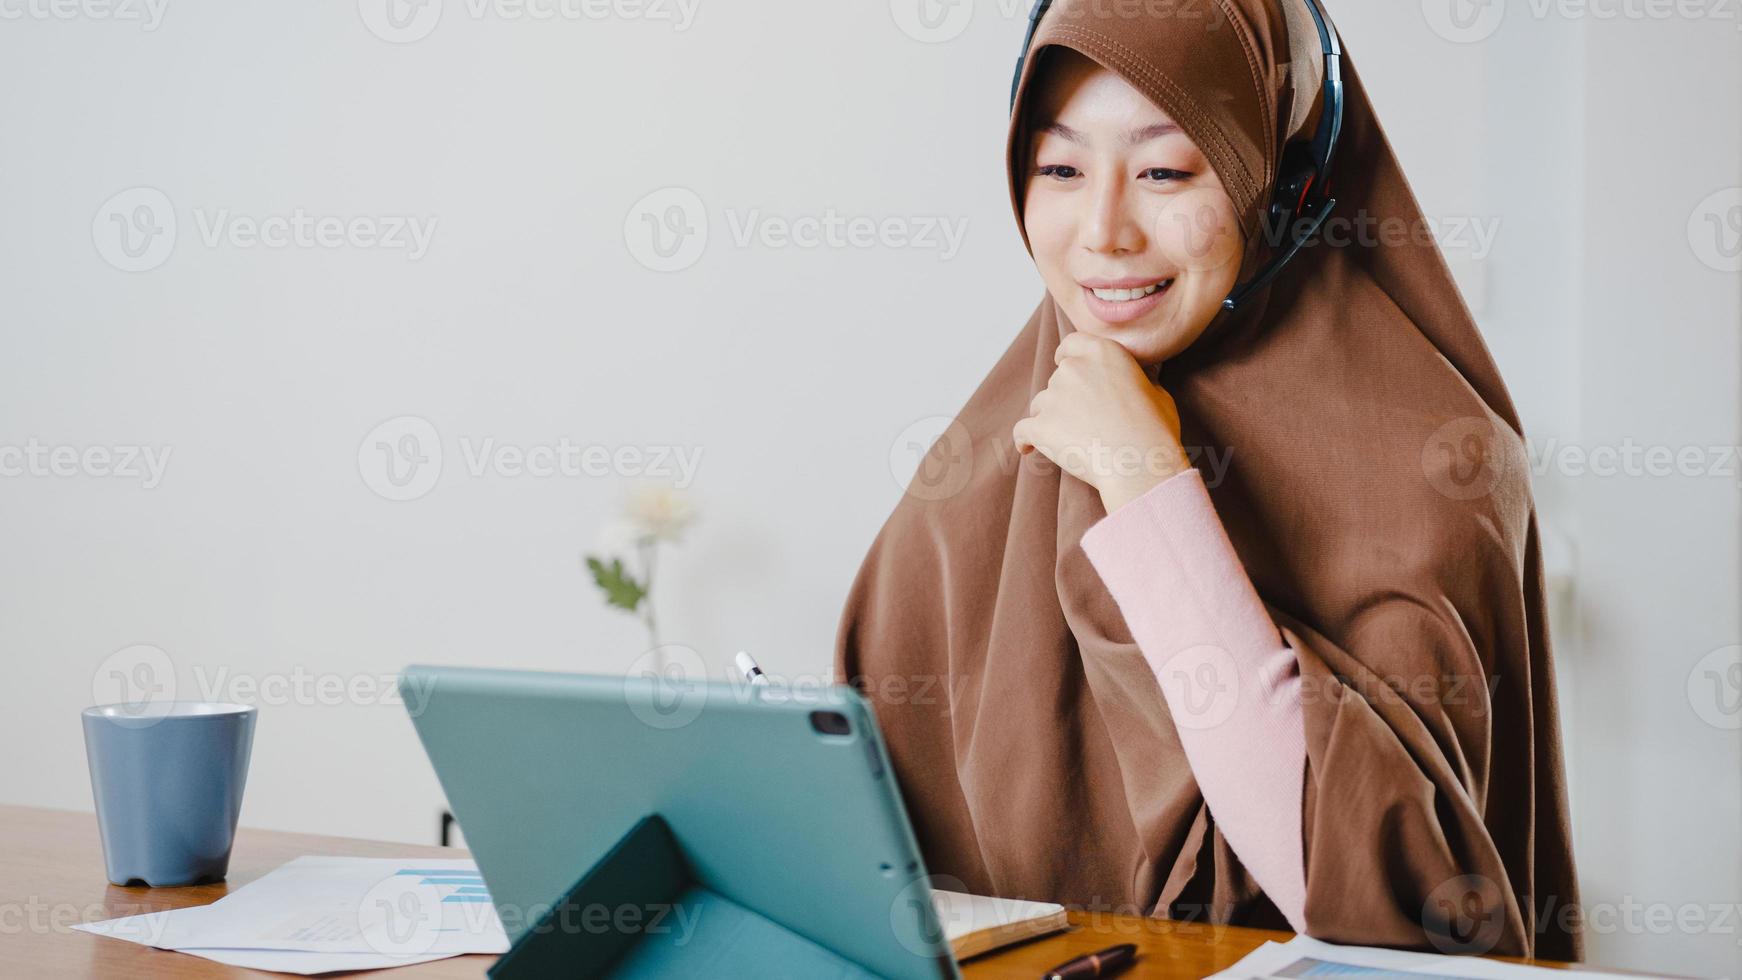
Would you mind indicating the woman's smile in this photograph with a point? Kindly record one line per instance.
(1123, 300)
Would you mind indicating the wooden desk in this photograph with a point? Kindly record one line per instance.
(51, 870)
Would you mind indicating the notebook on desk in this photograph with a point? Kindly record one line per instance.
(975, 924)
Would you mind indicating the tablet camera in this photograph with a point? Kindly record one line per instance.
(830, 723)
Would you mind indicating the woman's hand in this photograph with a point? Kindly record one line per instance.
(1102, 421)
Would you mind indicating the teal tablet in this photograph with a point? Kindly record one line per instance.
(642, 826)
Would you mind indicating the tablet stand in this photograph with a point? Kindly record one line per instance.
(640, 912)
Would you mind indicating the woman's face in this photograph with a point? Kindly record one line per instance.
(1130, 228)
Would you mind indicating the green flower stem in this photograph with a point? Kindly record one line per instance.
(649, 548)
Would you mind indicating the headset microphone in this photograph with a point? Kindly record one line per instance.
(1303, 175)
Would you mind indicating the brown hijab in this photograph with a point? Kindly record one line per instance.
(1377, 494)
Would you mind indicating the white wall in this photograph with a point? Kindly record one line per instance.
(265, 553)
(528, 321)
(1658, 747)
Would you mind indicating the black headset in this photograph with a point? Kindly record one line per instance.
(1303, 176)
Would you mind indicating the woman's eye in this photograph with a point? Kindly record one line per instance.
(1059, 170)
(1163, 173)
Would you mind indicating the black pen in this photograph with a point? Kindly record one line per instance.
(1102, 964)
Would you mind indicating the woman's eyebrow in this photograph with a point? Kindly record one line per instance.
(1133, 138)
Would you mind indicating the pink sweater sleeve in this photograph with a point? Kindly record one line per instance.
(1231, 683)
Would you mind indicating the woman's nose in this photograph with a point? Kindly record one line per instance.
(1109, 225)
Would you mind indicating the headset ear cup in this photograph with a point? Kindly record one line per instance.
(1302, 186)
(1295, 175)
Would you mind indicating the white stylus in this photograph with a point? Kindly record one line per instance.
(752, 672)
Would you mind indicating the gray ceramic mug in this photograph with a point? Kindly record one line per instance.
(168, 781)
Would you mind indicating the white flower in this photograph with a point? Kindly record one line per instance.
(660, 512)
